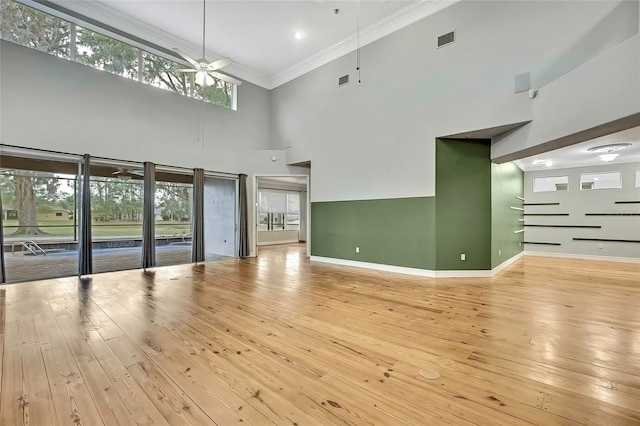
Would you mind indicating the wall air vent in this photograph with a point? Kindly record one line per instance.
(343, 80)
(446, 39)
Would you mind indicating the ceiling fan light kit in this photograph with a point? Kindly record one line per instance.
(206, 71)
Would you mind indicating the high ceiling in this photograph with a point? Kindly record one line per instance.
(259, 35)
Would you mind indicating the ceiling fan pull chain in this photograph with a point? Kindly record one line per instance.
(358, 42)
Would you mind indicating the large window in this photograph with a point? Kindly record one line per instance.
(33, 28)
(278, 210)
(39, 205)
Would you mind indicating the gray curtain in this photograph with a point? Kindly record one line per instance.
(243, 250)
(197, 242)
(149, 217)
(302, 234)
(3, 275)
(85, 255)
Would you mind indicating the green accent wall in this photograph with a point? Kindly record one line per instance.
(507, 182)
(463, 204)
(470, 214)
(399, 232)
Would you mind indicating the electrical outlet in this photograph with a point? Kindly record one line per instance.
(357, 249)
(463, 256)
(499, 252)
(600, 246)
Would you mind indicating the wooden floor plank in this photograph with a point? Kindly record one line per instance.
(280, 340)
(11, 399)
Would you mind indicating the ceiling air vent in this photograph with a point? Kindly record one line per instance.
(446, 39)
(343, 80)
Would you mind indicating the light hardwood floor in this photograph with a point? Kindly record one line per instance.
(277, 340)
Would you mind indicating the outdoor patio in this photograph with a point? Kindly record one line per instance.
(21, 267)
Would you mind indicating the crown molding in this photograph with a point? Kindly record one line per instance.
(103, 13)
(390, 24)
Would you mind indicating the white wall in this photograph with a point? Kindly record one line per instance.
(277, 237)
(376, 139)
(577, 202)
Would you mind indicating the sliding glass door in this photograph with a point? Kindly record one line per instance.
(116, 215)
(39, 215)
(173, 216)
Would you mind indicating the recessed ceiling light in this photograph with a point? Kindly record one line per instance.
(609, 148)
(545, 162)
(298, 35)
(548, 164)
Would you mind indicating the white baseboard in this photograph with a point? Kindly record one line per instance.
(375, 266)
(582, 256)
(507, 262)
(271, 243)
(417, 271)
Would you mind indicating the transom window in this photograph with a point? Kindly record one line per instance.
(38, 30)
(550, 183)
(610, 180)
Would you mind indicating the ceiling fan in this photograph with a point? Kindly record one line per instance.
(126, 174)
(206, 71)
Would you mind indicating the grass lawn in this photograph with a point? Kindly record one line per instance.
(64, 228)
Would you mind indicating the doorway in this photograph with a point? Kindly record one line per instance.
(281, 211)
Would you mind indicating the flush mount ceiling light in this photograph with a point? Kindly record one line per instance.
(609, 148)
(298, 35)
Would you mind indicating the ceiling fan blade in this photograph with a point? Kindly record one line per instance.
(224, 77)
(220, 63)
(184, 70)
(186, 57)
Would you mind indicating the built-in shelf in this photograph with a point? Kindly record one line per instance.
(611, 214)
(566, 226)
(627, 202)
(607, 240)
(541, 204)
(540, 243)
(546, 214)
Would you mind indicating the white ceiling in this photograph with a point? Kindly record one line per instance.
(578, 155)
(258, 35)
